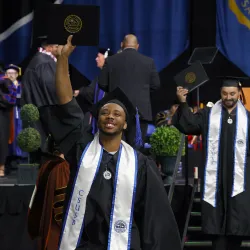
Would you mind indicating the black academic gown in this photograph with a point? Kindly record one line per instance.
(39, 89)
(39, 81)
(231, 216)
(154, 226)
(5, 109)
(88, 95)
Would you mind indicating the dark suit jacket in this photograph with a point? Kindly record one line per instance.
(135, 74)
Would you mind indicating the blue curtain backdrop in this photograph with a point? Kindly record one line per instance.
(161, 26)
(233, 31)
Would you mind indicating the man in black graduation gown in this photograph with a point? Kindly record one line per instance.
(137, 76)
(39, 82)
(152, 225)
(39, 77)
(225, 183)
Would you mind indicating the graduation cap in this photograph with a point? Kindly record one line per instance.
(58, 21)
(204, 55)
(117, 96)
(105, 52)
(192, 77)
(234, 81)
(41, 40)
(15, 67)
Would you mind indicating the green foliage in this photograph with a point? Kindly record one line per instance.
(29, 140)
(29, 113)
(165, 141)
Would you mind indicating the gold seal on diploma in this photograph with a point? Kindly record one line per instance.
(73, 23)
(190, 77)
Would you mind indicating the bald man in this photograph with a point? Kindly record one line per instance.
(137, 76)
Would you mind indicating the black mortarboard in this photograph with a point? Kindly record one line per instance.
(57, 21)
(41, 40)
(15, 67)
(234, 81)
(204, 55)
(119, 97)
(192, 77)
(105, 52)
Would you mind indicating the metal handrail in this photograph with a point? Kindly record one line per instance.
(177, 163)
(195, 186)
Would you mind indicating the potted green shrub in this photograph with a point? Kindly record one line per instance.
(165, 143)
(29, 140)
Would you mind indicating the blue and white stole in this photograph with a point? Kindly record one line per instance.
(123, 197)
(213, 151)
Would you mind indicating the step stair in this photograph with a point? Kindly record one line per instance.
(195, 239)
(205, 244)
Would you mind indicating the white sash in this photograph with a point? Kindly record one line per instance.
(123, 197)
(213, 149)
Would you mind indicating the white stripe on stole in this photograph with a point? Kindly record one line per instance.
(213, 150)
(123, 198)
(74, 218)
(212, 162)
(240, 150)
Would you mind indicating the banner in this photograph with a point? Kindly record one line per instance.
(233, 31)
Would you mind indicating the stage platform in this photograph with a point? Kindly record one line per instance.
(10, 180)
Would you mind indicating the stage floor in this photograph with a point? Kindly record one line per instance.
(11, 180)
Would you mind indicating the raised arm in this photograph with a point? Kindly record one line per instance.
(63, 85)
(184, 120)
(66, 125)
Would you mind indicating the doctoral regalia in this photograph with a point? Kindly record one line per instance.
(16, 122)
(153, 223)
(46, 205)
(230, 215)
(7, 101)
